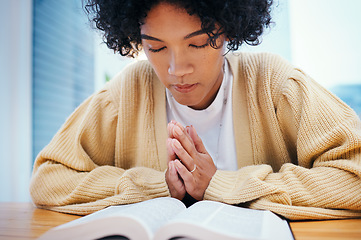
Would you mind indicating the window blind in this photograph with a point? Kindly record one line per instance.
(63, 63)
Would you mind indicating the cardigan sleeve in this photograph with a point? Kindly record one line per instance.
(76, 173)
(322, 181)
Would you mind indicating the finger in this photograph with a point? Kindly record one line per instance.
(173, 176)
(195, 184)
(185, 130)
(182, 154)
(185, 140)
(175, 184)
(183, 172)
(170, 127)
(197, 140)
(171, 154)
(188, 134)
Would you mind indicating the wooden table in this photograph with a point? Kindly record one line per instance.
(24, 221)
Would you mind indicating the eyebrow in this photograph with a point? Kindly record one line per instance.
(193, 34)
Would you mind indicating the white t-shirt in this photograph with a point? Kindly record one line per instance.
(214, 124)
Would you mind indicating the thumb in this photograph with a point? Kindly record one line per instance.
(198, 143)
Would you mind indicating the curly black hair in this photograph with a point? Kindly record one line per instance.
(240, 20)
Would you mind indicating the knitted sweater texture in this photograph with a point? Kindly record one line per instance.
(298, 146)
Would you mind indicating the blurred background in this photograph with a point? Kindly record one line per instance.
(51, 60)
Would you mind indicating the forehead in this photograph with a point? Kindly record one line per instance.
(165, 20)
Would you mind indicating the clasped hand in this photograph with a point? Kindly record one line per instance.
(190, 167)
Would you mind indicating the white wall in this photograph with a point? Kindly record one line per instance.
(276, 39)
(106, 62)
(15, 99)
(326, 39)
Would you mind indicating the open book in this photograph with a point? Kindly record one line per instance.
(168, 218)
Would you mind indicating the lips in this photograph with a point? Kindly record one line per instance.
(185, 88)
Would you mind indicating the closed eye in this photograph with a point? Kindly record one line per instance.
(199, 46)
(191, 45)
(156, 50)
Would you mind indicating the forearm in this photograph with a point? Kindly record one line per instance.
(294, 192)
(56, 187)
(54, 184)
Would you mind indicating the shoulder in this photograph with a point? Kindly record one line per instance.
(134, 73)
(258, 63)
(133, 81)
(265, 73)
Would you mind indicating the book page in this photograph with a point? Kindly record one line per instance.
(234, 222)
(151, 214)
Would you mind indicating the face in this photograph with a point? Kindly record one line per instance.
(179, 52)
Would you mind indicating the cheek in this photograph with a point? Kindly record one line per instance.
(157, 62)
(211, 62)
(159, 67)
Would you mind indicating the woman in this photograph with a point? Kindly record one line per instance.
(197, 122)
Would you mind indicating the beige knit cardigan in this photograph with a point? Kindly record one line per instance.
(298, 146)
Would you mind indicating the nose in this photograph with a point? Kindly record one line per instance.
(179, 64)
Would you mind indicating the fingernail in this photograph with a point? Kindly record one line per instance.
(176, 165)
(178, 131)
(177, 144)
(188, 130)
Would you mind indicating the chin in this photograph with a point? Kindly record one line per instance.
(186, 102)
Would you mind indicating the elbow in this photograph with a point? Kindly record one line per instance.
(48, 187)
